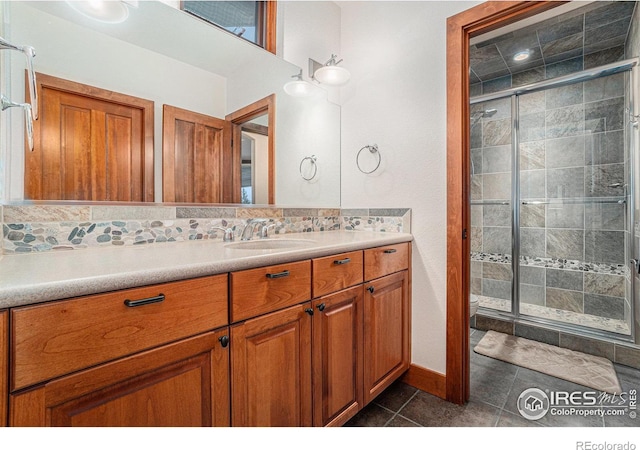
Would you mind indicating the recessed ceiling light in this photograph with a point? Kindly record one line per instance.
(521, 56)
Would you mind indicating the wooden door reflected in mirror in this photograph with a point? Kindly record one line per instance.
(89, 144)
(193, 147)
(210, 160)
(253, 146)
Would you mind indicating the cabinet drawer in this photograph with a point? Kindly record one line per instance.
(381, 261)
(336, 272)
(61, 337)
(266, 289)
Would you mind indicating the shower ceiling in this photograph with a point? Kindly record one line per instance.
(597, 26)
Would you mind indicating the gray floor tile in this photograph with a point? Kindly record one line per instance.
(399, 421)
(495, 388)
(431, 411)
(491, 386)
(371, 415)
(395, 396)
(508, 419)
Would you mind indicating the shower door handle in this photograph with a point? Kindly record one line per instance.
(636, 263)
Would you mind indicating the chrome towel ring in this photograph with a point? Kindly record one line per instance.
(312, 160)
(372, 149)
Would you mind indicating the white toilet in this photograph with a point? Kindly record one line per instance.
(473, 305)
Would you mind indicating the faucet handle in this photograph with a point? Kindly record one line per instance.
(228, 233)
(264, 231)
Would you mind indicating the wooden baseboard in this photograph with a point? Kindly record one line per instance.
(426, 380)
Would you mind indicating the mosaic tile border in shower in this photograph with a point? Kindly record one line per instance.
(554, 263)
(41, 228)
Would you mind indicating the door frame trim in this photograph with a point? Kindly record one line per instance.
(460, 28)
(267, 106)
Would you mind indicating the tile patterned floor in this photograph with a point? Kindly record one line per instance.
(495, 387)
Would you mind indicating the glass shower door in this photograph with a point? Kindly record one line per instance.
(491, 212)
(573, 178)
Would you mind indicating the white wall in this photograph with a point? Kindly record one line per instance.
(396, 52)
(309, 30)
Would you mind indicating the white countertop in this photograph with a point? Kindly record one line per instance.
(38, 277)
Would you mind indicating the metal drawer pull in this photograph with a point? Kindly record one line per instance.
(144, 301)
(391, 250)
(278, 275)
(342, 261)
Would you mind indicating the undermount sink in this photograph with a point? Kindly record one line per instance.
(269, 244)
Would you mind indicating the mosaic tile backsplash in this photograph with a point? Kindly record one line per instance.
(41, 228)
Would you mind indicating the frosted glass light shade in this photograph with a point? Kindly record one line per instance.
(332, 75)
(108, 11)
(299, 88)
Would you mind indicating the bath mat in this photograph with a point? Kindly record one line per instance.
(587, 370)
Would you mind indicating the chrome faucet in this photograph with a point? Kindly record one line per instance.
(247, 232)
(228, 233)
(264, 231)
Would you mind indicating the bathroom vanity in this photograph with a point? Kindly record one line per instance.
(208, 335)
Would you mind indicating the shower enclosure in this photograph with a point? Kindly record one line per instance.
(553, 182)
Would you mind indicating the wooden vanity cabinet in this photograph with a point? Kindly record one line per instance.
(338, 357)
(137, 357)
(337, 338)
(178, 385)
(307, 343)
(387, 316)
(4, 366)
(266, 289)
(271, 369)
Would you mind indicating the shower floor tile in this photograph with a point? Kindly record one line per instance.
(560, 315)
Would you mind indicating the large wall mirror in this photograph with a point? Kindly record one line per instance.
(168, 57)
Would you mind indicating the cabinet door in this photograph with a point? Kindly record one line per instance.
(386, 332)
(271, 369)
(337, 357)
(4, 366)
(181, 384)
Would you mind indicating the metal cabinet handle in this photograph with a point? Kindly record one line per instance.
(339, 262)
(370, 289)
(309, 311)
(224, 341)
(390, 250)
(282, 274)
(321, 307)
(144, 301)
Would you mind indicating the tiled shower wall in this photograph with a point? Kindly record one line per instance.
(572, 142)
(38, 228)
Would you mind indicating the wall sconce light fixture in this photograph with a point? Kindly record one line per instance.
(299, 87)
(329, 73)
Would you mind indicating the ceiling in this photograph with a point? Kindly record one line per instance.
(589, 29)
